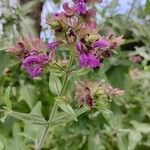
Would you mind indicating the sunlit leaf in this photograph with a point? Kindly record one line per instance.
(68, 109)
(28, 93)
(134, 138)
(54, 84)
(7, 98)
(35, 119)
(63, 117)
(141, 127)
(1, 145)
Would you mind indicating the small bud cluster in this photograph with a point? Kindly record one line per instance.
(86, 91)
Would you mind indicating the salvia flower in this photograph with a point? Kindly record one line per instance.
(58, 21)
(110, 91)
(88, 1)
(87, 58)
(102, 43)
(93, 49)
(86, 92)
(83, 95)
(34, 55)
(18, 50)
(54, 45)
(34, 64)
(81, 7)
(89, 61)
(69, 11)
(24, 46)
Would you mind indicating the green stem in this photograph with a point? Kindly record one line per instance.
(45, 131)
(60, 67)
(131, 9)
(54, 110)
(64, 84)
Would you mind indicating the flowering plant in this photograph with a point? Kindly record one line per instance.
(79, 47)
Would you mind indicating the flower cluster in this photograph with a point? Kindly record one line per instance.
(76, 26)
(33, 53)
(86, 91)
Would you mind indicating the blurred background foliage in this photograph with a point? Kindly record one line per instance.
(123, 124)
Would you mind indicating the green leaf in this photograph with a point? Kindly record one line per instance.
(4, 62)
(28, 93)
(26, 136)
(68, 109)
(64, 117)
(3, 119)
(134, 138)
(54, 84)
(147, 7)
(95, 142)
(141, 127)
(81, 72)
(26, 8)
(1, 145)
(34, 119)
(28, 26)
(17, 143)
(116, 75)
(7, 98)
(34, 130)
(122, 142)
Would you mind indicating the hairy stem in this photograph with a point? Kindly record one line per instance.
(54, 109)
(45, 130)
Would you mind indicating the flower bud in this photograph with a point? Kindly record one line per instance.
(55, 25)
(91, 38)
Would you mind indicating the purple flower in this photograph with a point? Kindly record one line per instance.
(88, 1)
(81, 7)
(86, 57)
(89, 60)
(33, 64)
(69, 11)
(84, 60)
(79, 46)
(54, 45)
(101, 44)
(84, 95)
(57, 14)
(91, 13)
(93, 61)
(89, 101)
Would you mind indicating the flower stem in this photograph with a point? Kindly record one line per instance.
(54, 109)
(60, 67)
(45, 130)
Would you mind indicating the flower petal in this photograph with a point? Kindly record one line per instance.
(102, 43)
